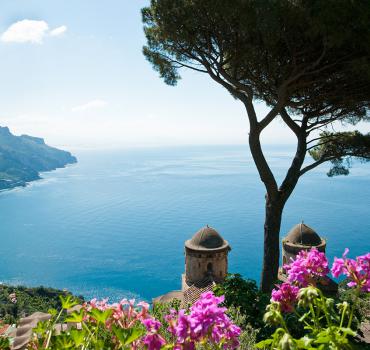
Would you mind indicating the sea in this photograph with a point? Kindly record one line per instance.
(114, 224)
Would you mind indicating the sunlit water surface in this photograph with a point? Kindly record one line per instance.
(115, 223)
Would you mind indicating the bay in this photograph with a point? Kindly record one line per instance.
(114, 224)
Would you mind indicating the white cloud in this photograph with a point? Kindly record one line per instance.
(30, 31)
(25, 31)
(58, 31)
(90, 105)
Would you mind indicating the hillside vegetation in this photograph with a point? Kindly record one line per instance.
(23, 157)
(20, 301)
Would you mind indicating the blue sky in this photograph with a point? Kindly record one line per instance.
(83, 82)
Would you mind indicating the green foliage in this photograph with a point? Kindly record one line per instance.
(160, 310)
(248, 336)
(289, 55)
(244, 296)
(286, 53)
(339, 148)
(359, 301)
(28, 301)
(122, 326)
(23, 157)
(4, 343)
(267, 45)
(327, 325)
(95, 332)
(127, 336)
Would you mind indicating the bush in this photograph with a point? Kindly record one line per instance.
(244, 295)
(20, 301)
(248, 336)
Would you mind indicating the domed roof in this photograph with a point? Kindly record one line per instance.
(207, 238)
(304, 235)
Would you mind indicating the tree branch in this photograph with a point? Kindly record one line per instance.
(277, 108)
(315, 164)
(290, 122)
(293, 173)
(266, 175)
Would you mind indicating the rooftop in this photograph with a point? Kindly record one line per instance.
(207, 239)
(304, 235)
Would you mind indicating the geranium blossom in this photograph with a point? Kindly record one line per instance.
(125, 313)
(152, 339)
(286, 295)
(357, 271)
(206, 321)
(307, 267)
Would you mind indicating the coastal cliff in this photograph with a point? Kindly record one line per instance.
(23, 157)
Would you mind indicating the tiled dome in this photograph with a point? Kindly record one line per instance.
(303, 235)
(207, 238)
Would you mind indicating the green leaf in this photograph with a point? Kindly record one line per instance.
(262, 344)
(76, 317)
(68, 301)
(100, 344)
(41, 328)
(64, 342)
(100, 316)
(53, 312)
(348, 331)
(4, 343)
(322, 340)
(78, 336)
(127, 336)
(306, 341)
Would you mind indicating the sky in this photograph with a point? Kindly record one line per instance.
(73, 72)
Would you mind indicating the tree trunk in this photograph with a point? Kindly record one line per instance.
(274, 210)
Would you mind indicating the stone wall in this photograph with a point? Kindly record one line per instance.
(201, 264)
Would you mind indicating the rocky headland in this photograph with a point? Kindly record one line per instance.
(22, 158)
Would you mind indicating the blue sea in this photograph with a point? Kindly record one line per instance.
(114, 224)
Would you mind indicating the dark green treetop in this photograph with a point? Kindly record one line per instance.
(307, 60)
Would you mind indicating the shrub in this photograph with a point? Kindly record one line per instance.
(4, 343)
(244, 295)
(20, 301)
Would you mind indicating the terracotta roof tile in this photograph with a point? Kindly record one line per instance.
(193, 293)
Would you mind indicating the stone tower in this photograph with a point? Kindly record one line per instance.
(205, 266)
(205, 257)
(301, 237)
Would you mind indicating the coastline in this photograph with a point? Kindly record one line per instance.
(25, 183)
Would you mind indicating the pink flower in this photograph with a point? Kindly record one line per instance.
(143, 304)
(307, 267)
(144, 310)
(152, 339)
(151, 324)
(286, 295)
(357, 271)
(206, 322)
(99, 304)
(124, 314)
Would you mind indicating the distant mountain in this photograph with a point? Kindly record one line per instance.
(23, 157)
